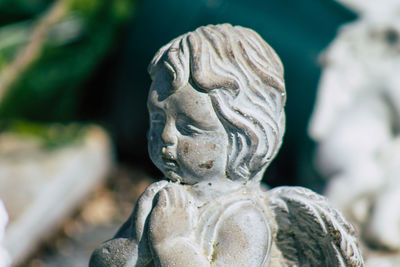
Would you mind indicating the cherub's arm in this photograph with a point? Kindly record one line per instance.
(170, 232)
(243, 237)
(131, 240)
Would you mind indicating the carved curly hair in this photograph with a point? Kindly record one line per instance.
(243, 77)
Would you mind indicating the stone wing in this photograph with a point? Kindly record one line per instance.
(310, 232)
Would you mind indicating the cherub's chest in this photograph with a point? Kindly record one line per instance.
(214, 215)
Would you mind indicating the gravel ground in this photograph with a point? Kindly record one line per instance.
(97, 220)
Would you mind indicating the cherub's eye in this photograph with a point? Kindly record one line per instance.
(188, 129)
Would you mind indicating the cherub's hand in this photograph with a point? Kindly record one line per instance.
(173, 215)
(131, 238)
(144, 206)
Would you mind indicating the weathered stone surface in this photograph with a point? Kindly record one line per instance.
(41, 186)
(217, 119)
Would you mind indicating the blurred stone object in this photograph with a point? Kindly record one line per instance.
(45, 58)
(216, 106)
(381, 10)
(4, 257)
(356, 123)
(44, 174)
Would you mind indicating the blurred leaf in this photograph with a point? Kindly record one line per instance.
(51, 136)
(40, 72)
(12, 38)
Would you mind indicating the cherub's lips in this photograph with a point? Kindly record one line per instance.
(169, 162)
(170, 165)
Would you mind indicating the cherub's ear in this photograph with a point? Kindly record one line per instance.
(310, 232)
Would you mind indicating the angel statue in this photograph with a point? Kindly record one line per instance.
(217, 118)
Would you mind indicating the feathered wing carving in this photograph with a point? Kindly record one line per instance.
(310, 231)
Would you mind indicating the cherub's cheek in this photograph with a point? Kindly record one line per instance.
(201, 155)
(209, 164)
(212, 146)
(194, 152)
(215, 149)
(185, 148)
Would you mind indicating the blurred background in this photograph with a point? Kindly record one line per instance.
(73, 117)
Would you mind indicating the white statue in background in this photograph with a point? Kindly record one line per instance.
(4, 257)
(356, 122)
(217, 119)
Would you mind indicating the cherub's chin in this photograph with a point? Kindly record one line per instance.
(173, 176)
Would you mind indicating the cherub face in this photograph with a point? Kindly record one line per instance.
(187, 142)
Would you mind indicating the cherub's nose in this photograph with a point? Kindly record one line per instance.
(168, 135)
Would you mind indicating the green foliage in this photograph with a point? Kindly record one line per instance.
(12, 38)
(70, 44)
(50, 136)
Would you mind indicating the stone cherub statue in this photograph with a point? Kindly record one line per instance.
(217, 119)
